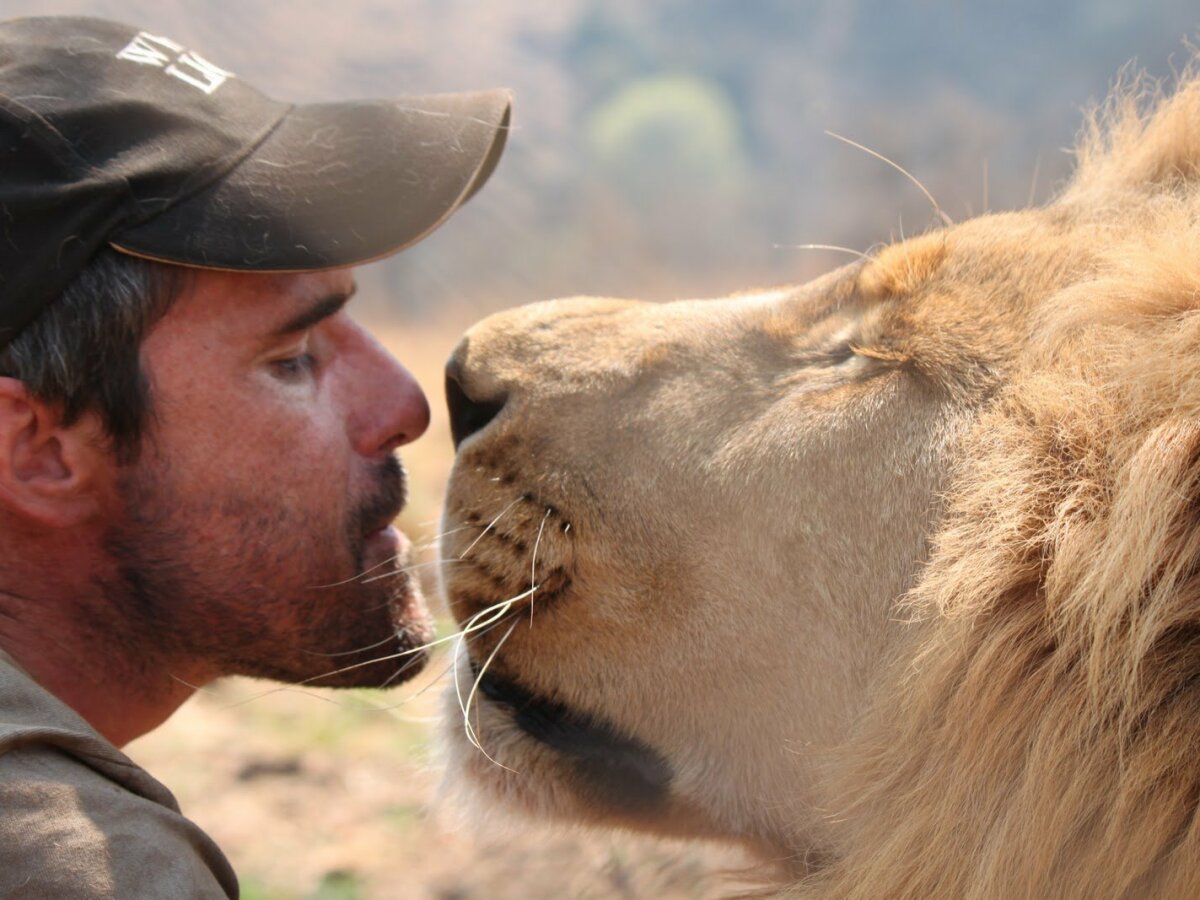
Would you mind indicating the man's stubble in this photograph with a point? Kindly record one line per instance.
(243, 585)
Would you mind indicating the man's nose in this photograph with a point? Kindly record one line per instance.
(388, 406)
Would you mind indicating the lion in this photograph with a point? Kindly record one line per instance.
(894, 575)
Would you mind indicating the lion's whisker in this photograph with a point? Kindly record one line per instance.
(1037, 167)
(353, 578)
(984, 208)
(490, 526)
(946, 220)
(467, 730)
(413, 696)
(415, 549)
(429, 522)
(386, 640)
(471, 630)
(472, 625)
(850, 250)
(533, 564)
(475, 626)
(473, 735)
(400, 670)
(414, 567)
(433, 541)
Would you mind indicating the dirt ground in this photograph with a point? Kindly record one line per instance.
(328, 795)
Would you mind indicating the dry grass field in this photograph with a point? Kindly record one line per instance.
(332, 795)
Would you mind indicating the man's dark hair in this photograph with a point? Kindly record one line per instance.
(82, 352)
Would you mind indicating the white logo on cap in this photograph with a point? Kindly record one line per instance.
(163, 53)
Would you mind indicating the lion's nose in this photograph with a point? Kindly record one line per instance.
(467, 415)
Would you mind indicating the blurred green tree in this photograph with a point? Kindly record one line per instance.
(668, 134)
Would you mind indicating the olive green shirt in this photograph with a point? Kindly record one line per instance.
(78, 818)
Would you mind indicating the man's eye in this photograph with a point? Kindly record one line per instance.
(293, 367)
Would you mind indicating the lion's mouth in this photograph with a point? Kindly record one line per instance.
(621, 771)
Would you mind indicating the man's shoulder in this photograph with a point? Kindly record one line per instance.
(78, 818)
(67, 831)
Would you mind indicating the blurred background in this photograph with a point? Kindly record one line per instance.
(661, 149)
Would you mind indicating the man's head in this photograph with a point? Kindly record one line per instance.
(197, 443)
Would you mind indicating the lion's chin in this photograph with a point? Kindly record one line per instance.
(537, 757)
(606, 767)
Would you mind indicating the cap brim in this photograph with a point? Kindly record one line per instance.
(334, 185)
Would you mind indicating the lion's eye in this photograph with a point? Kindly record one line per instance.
(833, 355)
(841, 353)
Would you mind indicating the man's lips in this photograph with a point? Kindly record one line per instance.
(389, 537)
(384, 522)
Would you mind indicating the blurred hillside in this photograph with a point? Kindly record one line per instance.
(677, 147)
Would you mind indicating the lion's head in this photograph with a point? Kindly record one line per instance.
(895, 574)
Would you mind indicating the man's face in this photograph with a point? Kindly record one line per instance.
(252, 536)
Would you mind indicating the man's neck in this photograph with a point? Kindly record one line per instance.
(117, 708)
(64, 631)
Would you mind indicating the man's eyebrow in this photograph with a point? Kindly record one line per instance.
(322, 309)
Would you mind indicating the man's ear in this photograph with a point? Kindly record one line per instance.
(49, 472)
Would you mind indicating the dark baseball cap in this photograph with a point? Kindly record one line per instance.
(110, 135)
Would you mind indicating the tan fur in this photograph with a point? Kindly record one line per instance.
(903, 268)
(900, 570)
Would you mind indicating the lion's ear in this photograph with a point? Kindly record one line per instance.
(1141, 138)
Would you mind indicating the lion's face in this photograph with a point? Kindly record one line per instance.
(677, 532)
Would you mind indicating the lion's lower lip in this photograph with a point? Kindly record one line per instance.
(625, 771)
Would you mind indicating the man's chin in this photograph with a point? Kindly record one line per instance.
(391, 601)
(392, 660)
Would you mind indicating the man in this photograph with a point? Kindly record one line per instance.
(197, 443)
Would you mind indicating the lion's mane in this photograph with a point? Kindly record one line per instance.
(1041, 737)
